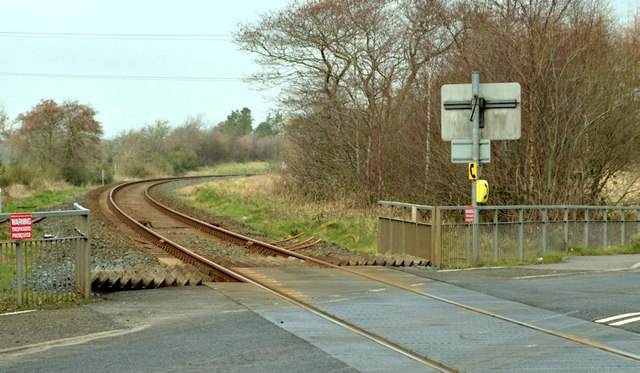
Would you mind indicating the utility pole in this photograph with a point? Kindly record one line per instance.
(475, 139)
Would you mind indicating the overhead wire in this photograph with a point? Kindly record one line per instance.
(125, 77)
(117, 36)
(120, 36)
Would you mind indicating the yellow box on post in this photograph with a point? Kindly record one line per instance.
(473, 171)
(482, 191)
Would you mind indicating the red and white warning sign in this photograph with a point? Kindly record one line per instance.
(468, 214)
(21, 226)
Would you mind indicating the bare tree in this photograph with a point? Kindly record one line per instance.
(349, 69)
(577, 127)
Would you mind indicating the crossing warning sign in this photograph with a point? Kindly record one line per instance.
(21, 226)
(468, 214)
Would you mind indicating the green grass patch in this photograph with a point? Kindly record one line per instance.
(280, 218)
(41, 200)
(557, 257)
(631, 248)
(38, 201)
(253, 168)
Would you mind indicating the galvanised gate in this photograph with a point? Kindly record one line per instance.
(51, 268)
(506, 233)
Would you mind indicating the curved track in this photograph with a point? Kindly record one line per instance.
(125, 200)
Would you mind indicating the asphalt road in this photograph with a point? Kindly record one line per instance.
(202, 329)
(182, 329)
(590, 288)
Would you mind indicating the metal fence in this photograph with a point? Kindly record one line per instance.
(47, 269)
(505, 233)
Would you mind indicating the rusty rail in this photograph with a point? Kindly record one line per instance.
(237, 276)
(214, 270)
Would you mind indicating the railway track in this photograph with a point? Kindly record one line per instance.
(127, 207)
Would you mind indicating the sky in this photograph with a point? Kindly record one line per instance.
(49, 47)
(31, 44)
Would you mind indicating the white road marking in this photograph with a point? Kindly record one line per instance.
(636, 266)
(627, 321)
(617, 317)
(16, 313)
(551, 275)
(570, 273)
(44, 346)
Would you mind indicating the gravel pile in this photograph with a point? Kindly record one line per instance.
(324, 250)
(110, 247)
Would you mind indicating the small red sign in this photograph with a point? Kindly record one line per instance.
(21, 226)
(468, 214)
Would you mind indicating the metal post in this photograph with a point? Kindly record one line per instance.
(622, 232)
(469, 245)
(495, 235)
(83, 255)
(586, 228)
(521, 235)
(436, 253)
(475, 138)
(566, 229)
(544, 231)
(19, 272)
(604, 233)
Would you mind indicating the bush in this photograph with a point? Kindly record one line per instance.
(25, 174)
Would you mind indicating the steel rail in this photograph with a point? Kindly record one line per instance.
(229, 235)
(554, 333)
(213, 269)
(238, 276)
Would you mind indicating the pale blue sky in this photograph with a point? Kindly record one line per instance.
(125, 104)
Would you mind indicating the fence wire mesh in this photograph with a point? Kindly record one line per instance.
(46, 268)
(50, 268)
(515, 233)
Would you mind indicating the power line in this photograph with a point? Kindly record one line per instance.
(116, 36)
(124, 77)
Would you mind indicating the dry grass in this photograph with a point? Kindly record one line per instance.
(623, 189)
(268, 187)
(23, 191)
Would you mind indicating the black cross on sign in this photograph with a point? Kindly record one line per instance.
(482, 105)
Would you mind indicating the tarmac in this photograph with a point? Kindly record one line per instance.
(236, 327)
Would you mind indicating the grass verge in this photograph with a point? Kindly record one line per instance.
(233, 169)
(41, 200)
(557, 257)
(254, 201)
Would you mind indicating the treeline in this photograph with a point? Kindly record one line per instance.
(63, 141)
(161, 149)
(362, 81)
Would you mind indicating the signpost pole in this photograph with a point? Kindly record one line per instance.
(19, 272)
(494, 115)
(475, 139)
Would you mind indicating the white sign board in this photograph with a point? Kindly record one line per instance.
(462, 151)
(499, 123)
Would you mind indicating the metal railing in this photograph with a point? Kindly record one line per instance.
(49, 269)
(506, 233)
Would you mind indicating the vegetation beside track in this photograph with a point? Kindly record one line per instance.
(631, 248)
(42, 199)
(256, 201)
(234, 168)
